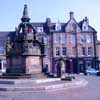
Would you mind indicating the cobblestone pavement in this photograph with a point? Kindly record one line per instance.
(90, 92)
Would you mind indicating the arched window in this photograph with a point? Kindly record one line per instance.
(85, 26)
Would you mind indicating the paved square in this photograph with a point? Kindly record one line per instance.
(90, 92)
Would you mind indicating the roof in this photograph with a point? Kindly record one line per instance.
(98, 42)
(3, 37)
(63, 25)
(52, 26)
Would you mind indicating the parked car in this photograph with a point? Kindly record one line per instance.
(2, 71)
(91, 71)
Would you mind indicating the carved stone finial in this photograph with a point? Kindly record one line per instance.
(25, 17)
(25, 12)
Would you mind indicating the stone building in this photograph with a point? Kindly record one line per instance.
(98, 53)
(74, 42)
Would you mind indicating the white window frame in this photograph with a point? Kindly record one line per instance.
(89, 51)
(73, 39)
(82, 51)
(89, 38)
(39, 29)
(85, 26)
(58, 26)
(57, 50)
(64, 51)
(63, 38)
(74, 51)
(57, 38)
(83, 38)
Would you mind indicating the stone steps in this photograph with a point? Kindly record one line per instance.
(22, 75)
(42, 85)
(29, 81)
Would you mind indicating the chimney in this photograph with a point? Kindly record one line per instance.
(71, 15)
(87, 20)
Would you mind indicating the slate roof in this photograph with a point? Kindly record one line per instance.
(63, 25)
(12, 35)
(3, 36)
(37, 24)
(43, 24)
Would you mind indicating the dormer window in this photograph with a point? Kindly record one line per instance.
(39, 29)
(85, 26)
(58, 26)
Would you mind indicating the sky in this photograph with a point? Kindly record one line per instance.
(11, 12)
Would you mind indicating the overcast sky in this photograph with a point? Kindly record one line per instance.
(11, 12)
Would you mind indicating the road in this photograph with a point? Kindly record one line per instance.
(90, 92)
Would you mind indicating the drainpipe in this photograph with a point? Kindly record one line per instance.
(94, 41)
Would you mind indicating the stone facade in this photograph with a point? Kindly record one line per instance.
(98, 53)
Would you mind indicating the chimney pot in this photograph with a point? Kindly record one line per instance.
(71, 15)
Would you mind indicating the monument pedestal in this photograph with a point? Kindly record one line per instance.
(33, 65)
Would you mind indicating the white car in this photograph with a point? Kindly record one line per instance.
(91, 71)
(2, 71)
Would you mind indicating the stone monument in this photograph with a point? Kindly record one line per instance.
(25, 53)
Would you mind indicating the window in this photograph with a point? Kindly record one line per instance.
(73, 51)
(73, 27)
(83, 51)
(64, 51)
(89, 50)
(89, 38)
(39, 29)
(45, 40)
(1, 50)
(63, 38)
(73, 39)
(83, 37)
(57, 51)
(46, 51)
(57, 40)
(57, 26)
(85, 26)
